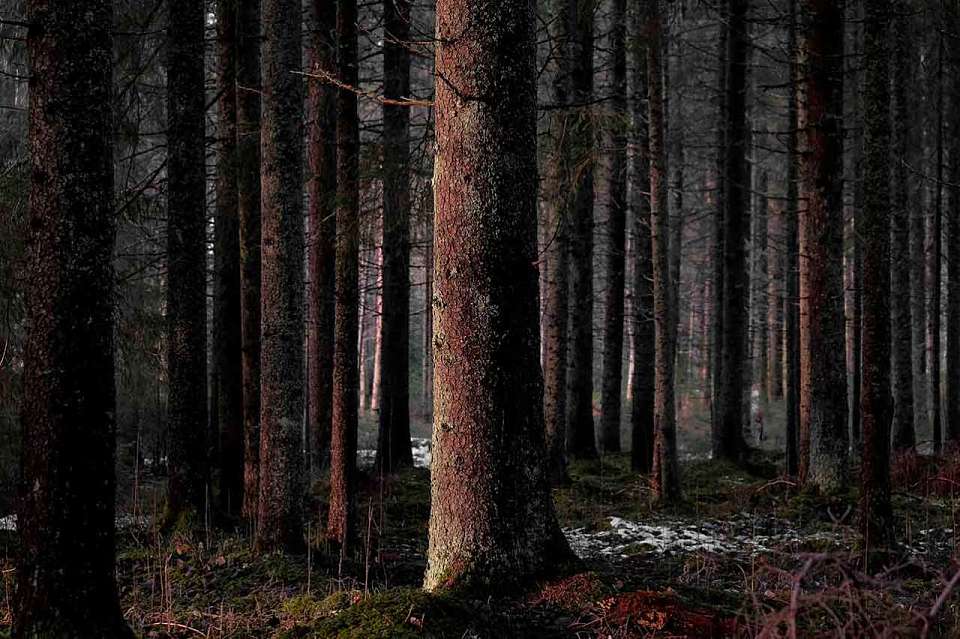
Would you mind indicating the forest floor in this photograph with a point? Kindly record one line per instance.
(744, 555)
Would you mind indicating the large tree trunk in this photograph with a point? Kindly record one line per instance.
(854, 290)
(321, 241)
(226, 313)
(904, 437)
(279, 521)
(581, 438)
(791, 298)
(186, 268)
(556, 292)
(491, 518)
(393, 449)
(346, 374)
(66, 558)
(666, 471)
(933, 264)
(876, 513)
(248, 199)
(616, 241)
(717, 257)
(952, 431)
(644, 349)
(730, 443)
(823, 398)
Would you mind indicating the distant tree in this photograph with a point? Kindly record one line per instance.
(642, 407)
(279, 520)
(187, 487)
(248, 205)
(730, 443)
(491, 516)
(226, 308)
(876, 512)
(393, 447)
(558, 179)
(952, 394)
(66, 558)
(346, 375)
(934, 262)
(718, 230)
(900, 303)
(823, 398)
(791, 298)
(321, 52)
(616, 237)
(581, 435)
(666, 472)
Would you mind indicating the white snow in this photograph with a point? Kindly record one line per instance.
(366, 457)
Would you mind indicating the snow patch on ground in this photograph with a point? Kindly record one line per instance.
(8, 523)
(421, 454)
(123, 521)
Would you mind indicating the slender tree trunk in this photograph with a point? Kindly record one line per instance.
(491, 517)
(933, 263)
(558, 180)
(823, 398)
(581, 438)
(611, 399)
(952, 431)
(904, 437)
(321, 212)
(716, 360)
(644, 344)
(791, 299)
(248, 200)
(855, 290)
(666, 472)
(775, 295)
(760, 282)
(66, 557)
(341, 523)
(226, 327)
(731, 444)
(876, 513)
(186, 268)
(393, 448)
(279, 520)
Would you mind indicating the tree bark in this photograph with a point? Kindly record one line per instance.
(66, 557)
(791, 299)
(823, 399)
(321, 243)
(611, 399)
(644, 343)
(952, 431)
(279, 521)
(491, 519)
(775, 295)
(556, 293)
(393, 449)
(226, 321)
(186, 268)
(581, 437)
(731, 444)
(933, 265)
(666, 472)
(341, 522)
(248, 206)
(876, 512)
(716, 360)
(904, 437)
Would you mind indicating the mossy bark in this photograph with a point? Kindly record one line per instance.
(492, 520)
(66, 558)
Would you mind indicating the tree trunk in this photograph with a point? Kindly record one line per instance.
(581, 438)
(187, 268)
(775, 295)
(556, 292)
(876, 513)
(644, 345)
(791, 299)
(393, 449)
(716, 360)
(66, 557)
(823, 398)
(904, 437)
(427, 397)
(617, 238)
(731, 444)
(226, 321)
(279, 520)
(666, 472)
(321, 242)
(855, 289)
(933, 265)
(759, 282)
(248, 201)
(346, 375)
(491, 518)
(952, 431)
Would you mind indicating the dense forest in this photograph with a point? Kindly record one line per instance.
(479, 318)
